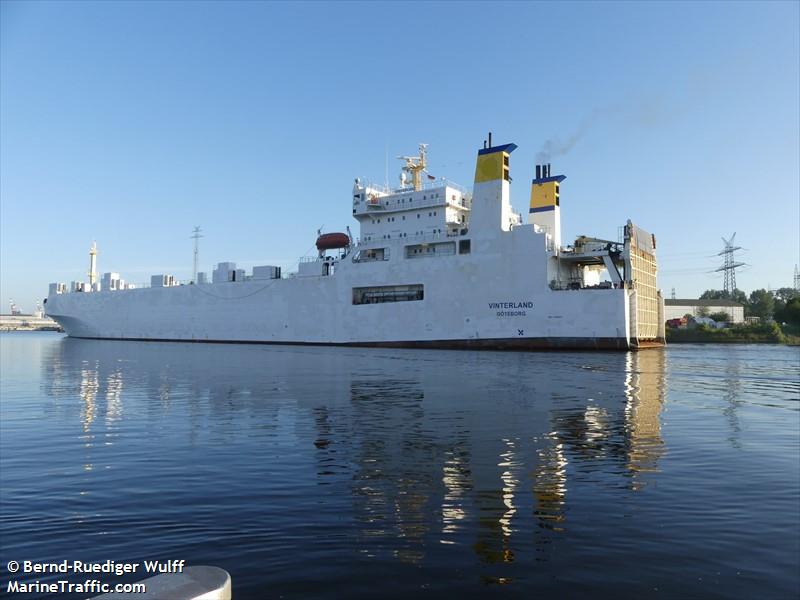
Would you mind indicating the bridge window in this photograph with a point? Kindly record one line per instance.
(435, 249)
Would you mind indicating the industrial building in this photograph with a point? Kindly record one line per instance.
(677, 308)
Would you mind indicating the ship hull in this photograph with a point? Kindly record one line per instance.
(506, 344)
(496, 297)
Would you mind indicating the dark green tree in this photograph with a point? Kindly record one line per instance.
(737, 296)
(783, 296)
(720, 317)
(713, 295)
(786, 294)
(790, 313)
(761, 304)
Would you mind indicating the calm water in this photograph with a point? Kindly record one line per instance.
(326, 472)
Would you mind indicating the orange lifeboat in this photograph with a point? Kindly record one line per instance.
(329, 241)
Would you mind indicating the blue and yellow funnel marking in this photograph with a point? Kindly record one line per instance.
(544, 193)
(492, 163)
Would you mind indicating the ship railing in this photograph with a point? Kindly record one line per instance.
(381, 205)
(135, 286)
(426, 185)
(413, 239)
(320, 259)
(576, 284)
(141, 286)
(176, 284)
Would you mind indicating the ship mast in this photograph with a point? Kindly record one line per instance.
(195, 236)
(415, 165)
(93, 265)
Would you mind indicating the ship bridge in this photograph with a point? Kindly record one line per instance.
(419, 208)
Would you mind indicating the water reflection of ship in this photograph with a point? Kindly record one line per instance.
(597, 433)
(550, 484)
(391, 486)
(645, 391)
(426, 456)
(497, 510)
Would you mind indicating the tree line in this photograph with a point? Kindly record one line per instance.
(782, 305)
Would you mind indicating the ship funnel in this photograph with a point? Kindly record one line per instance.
(545, 202)
(491, 205)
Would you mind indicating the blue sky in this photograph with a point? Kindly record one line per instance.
(130, 123)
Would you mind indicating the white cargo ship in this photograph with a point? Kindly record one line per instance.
(434, 265)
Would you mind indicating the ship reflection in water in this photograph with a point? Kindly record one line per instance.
(322, 471)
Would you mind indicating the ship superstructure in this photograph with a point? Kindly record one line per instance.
(433, 265)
